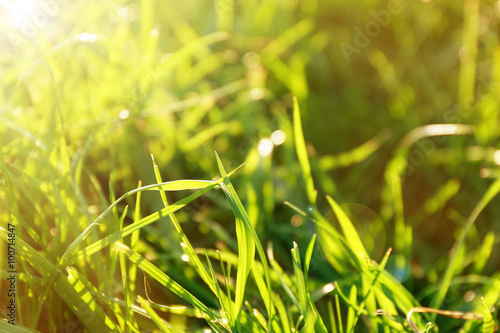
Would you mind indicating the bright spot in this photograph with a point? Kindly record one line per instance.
(278, 137)
(21, 10)
(443, 129)
(469, 296)
(328, 288)
(296, 221)
(255, 312)
(93, 209)
(207, 330)
(224, 320)
(183, 244)
(87, 37)
(496, 157)
(17, 111)
(124, 114)
(155, 33)
(185, 257)
(265, 147)
(128, 13)
(257, 94)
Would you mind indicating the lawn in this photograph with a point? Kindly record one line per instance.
(249, 166)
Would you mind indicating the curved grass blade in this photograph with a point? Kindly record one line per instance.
(308, 309)
(99, 245)
(187, 248)
(350, 233)
(492, 191)
(300, 146)
(178, 185)
(246, 245)
(248, 237)
(165, 280)
(225, 302)
(162, 325)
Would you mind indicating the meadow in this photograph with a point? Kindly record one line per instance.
(249, 166)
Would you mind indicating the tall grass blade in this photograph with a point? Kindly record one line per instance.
(246, 243)
(160, 322)
(300, 146)
(449, 272)
(187, 247)
(165, 280)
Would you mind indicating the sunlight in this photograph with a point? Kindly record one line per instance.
(278, 137)
(265, 147)
(496, 157)
(21, 11)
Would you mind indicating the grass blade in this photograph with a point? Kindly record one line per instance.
(187, 247)
(451, 266)
(300, 146)
(246, 244)
(164, 279)
(248, 227)
(66, 290)
(99, 245)
(162, 325)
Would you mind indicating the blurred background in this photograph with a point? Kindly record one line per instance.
(90, 89)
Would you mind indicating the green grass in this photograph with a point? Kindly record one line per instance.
(361, 192)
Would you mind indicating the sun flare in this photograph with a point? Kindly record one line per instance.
(21, 11)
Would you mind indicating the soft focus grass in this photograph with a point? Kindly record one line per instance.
(394, 147)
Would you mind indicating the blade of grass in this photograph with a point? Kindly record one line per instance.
(449, 272)
(99, 245)
(225, 302)
(331, 316)
(172, 186)
(339, 315)
(187, 248)
(99, 295)
(240, 210)
(350, 233)
(128, 295)
(167, 186)
(470, 35)
(134, 239)
(85, 295)
(246, 244)
(162, 325)
(351, 311)
(379, 269)
(300, 146)
(165, 280)
(311, 316)
(81, 306)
